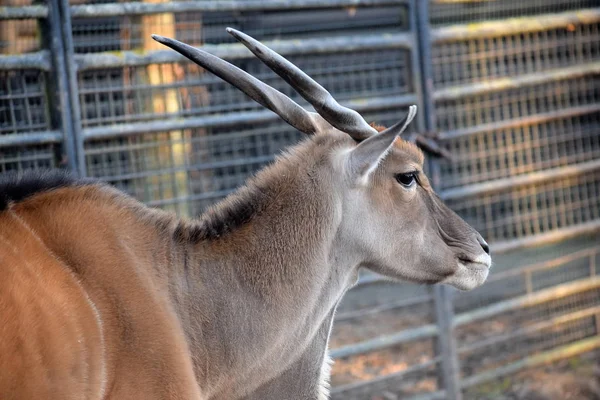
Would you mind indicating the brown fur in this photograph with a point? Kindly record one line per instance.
(104, 298)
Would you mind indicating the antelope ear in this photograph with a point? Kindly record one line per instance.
(365, 157)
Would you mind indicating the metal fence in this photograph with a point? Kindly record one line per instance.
(512, 89)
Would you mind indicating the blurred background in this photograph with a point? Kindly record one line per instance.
(510, 88)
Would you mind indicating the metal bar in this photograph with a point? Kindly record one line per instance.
(529, 300)
(501, 84)
(514, 25)
(416, 66)
(24, 12)
(559, 353)
(438, 395)
(562, 319)
(230, 119)
(239, 51)
(122, 9)
(384, 378)
(424, 41)
(38, 60)
(31, 138)
(446, 342)
(383, 342)
(194, 167)
(521, 180)
(546, 238)
(525, 121)
(71, 68)
(381, 308)
(546, 265)
(60, 87)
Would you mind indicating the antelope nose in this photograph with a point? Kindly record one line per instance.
(483, 244)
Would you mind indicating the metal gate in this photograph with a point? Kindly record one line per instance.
(511, 88)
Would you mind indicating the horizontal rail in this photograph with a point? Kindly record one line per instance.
(546, 238)
(562, 319)
(519, 122)
(559, 353)
(514, 25)
(239, 51)
(520, 180)
(122, 9)
(528, 300)
(545, 265)
(230, 119)
(32, 138)
(38, 60)
(23, 12)
(385, 341)
(437, 395)
(344, 316)
(191, 167)
(501, 84)
(397, 375)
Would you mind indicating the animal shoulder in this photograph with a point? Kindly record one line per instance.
(16, 187)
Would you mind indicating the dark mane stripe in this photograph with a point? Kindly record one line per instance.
(233, 212)
(17, 186)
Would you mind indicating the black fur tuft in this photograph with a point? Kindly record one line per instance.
(17, 186)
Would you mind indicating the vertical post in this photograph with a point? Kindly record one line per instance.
(424, 42)
(446, 343)
(415, 60)
(71, 70)
(444, 307)
(58, 92)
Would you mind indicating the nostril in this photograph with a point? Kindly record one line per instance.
(483, 244)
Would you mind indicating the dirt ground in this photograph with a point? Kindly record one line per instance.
(577, 378)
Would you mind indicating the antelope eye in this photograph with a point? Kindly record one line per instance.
(407, 180)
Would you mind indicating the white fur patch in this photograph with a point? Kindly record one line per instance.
(484, 259)
(324, 385)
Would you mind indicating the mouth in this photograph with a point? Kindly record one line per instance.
(483, 261)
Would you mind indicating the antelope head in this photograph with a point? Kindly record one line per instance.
(390, 214)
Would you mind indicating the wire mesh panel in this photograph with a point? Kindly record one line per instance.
(516, 103)
(460, 12)
(18, 158)
(545, 143)
(533, 209)
(29, 127)
(188, 169)
(523, 120)
(126, 32)
(144, 93)
(23, 102)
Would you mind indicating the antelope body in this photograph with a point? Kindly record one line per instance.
(104, 298)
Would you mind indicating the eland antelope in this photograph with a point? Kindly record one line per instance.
(102, 297)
